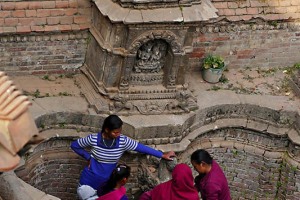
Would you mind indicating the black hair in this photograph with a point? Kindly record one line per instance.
(112, 122)
(120, 172)
(201, 155)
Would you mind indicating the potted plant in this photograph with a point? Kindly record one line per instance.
(213, 67)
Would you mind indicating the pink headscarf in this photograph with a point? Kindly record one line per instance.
(180, 187)
(115, 195)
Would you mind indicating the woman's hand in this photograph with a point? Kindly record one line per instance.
(169, 155)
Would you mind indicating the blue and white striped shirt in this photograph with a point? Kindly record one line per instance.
(105, 154)
(103, 159)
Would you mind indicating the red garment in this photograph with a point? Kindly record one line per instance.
(179, 188)
(114, 195)
(213, 186)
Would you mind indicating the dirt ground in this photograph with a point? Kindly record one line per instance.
(47, 85)
(252, 81)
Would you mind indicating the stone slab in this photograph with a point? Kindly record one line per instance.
(117, 13)
(199, 12)
(211, 98)
(162, 15)
(134, 16)
(58, 104)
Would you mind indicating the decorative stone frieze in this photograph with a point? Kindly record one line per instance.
(43, 37)
(224, 26)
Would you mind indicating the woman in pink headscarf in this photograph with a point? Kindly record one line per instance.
(180, 187)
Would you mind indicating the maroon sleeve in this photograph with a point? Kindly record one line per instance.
(212, 191)
(146, 196)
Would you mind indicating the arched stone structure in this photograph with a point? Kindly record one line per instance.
(258, 147)
(170, 37)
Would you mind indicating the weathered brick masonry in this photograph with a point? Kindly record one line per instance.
(43, 36)
(251, 33)
(248, 33)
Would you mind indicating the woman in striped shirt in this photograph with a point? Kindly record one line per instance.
(106, 148)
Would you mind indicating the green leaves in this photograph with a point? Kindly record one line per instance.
(215, 62)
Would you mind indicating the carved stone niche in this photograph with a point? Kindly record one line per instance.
(138, 67)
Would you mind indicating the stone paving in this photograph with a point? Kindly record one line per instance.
(263, 87)
(256, 81)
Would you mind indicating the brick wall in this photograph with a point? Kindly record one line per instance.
(255, 164)
(249, 44)
(251, 33)
(248, 33)
(54, 169)
(40, 37)
(41, 54)
(44, 16)
(235, 10)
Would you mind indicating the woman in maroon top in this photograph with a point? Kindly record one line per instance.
(211, 181)
(180, 187)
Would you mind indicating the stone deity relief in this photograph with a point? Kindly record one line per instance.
(151, 57)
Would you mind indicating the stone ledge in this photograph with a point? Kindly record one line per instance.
(194, 13)
(233, 123)
(15, 188)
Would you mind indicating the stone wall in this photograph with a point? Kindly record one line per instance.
(257, 147)
(55, 169)
(39, 37)
(256, 164)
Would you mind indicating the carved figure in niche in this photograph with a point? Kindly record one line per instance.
(155, 58)
(150, 57)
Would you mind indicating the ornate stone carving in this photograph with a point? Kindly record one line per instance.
(172, 81)
(153, 102)
(150, 57)
(168, 36)
(146, 79)
(124, 85)
(42, 37)
(257, 24)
